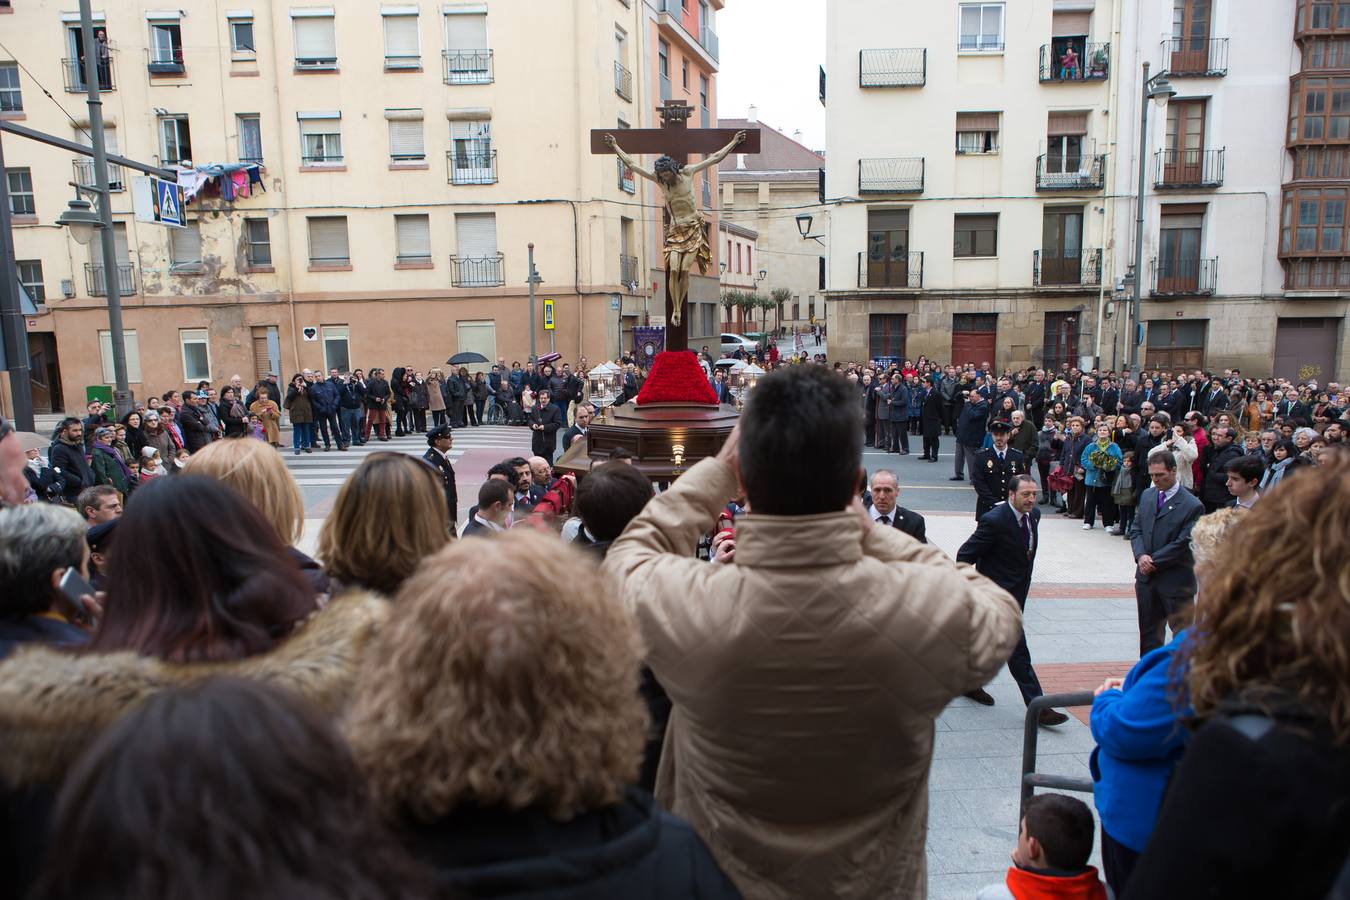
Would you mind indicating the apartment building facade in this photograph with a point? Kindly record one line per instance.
(770, 192)
(409, 154)
(967, 153)
(1037, 189)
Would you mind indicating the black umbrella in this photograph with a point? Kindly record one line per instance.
(466, 358)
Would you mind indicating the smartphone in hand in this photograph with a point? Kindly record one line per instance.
(74, 588)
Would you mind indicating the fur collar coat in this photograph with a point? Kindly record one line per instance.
(55, 703)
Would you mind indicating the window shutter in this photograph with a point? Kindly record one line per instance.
(185, 244)
(1067, 123)
(466, 31)
(1070, 24)
(314, 38)
(400, 36)
(413, 234)
(320, 125)
(476, 235)
(328, 240)
(405, 139)
(977, 121)
(888, 220)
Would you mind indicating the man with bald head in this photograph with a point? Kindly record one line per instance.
(885, 490)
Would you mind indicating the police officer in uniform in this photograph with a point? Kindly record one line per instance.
(993, 467)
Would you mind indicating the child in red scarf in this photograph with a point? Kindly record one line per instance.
(1050, 861)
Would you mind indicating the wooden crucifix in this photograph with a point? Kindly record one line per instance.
(687, 238)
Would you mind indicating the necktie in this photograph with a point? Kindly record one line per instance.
(885, 520)
(1026, 532)
(1162, 498)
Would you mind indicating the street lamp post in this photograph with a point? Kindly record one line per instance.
(122, 398)
(1158, 89)
(532, 280)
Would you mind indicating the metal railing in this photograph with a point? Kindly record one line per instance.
(904, 271)
(85, 172)
(1173, 277)
(708, 38)
(467, 66)
(405, 259)
(402, 62)
(896, 67)
(96, 281)
(1066, 268)
(1092, 62)
(1196, 57)
(890, 175)
(623, 81)
(1031, 779)
(628, 268)
(626, 181)
(322, 159)
(478, 167)
(477, 271)
(1189, 168)
(158, 62)
(1089, 175)
(72, 71)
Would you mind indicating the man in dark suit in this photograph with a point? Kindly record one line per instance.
(1003, 549)
(493, 511)
(1131, 398)
(439, 441)
(583, 421)
(885, 490)
(993, 467)
(1164, 583)
(545, 422)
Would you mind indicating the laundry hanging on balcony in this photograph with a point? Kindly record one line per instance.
(224, 180)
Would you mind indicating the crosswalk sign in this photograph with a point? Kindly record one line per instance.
(170, 203)
(548, 315)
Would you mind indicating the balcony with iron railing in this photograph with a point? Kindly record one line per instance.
(628, 269)
(85, 172)
(1196, 57)
(167, 61)
(97, 283)
(894, 67)
(479, 167)
(467, 66)
(892, 271)
(703, 34)
(623, 81)
(1086, 172)
(1178, 169)
(890, 175)
(477, 271)
(1065, 268)
(72, 71)
(1177, 277)
(1089, 62)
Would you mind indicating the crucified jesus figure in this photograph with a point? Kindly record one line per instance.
(687, 237)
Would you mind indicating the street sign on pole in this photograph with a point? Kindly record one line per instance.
(548, 315)
(157, 201)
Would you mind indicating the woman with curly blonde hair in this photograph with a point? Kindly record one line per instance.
(499, 724)
(1257, 806)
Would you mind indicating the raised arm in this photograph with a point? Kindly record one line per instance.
(628, 160)
(716, 157)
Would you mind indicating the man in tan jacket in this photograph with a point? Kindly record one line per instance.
(806, 675)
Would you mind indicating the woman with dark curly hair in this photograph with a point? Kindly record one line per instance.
(499, 723)
(225, 790)
(1257, 807)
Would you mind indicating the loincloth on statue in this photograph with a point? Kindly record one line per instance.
(690, 239)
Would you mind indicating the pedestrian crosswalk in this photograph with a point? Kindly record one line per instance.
(331, 468)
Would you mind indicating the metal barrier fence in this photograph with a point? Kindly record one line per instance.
(1031, 779)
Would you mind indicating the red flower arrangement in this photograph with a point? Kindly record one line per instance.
(676, 377)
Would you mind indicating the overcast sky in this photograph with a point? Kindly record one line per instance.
(771, 53)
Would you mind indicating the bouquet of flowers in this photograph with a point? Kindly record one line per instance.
(1102, 460)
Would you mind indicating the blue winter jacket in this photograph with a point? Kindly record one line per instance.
(1095, 477)
(1140, 739)
(323, 396)
(970, 424)
(900, 403)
